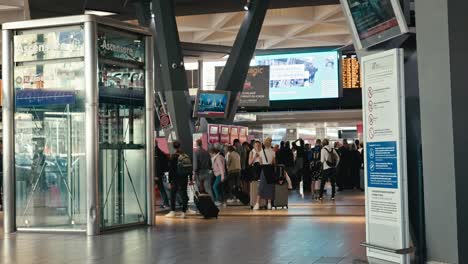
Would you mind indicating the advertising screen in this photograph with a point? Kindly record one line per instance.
(302, 76)
(211, 104)
(375, 21)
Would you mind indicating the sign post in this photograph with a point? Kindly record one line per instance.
(387, 225)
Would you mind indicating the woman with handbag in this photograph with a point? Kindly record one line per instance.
(266, 159)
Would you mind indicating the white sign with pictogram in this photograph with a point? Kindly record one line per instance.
(387, 229)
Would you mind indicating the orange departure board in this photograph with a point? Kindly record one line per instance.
(351, 72)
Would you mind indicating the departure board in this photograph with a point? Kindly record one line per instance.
(351, 71)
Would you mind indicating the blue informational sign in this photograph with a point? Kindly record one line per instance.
(382, 165)
(41, 97)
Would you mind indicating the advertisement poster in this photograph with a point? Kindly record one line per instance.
(385, 160)
(256, 92)
(224, 135)
(242, 134)
(234, 134)
(213, 134)
(301, 76)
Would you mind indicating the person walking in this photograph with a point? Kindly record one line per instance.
(330, 160)
(343, 179)
(234, 169)
(265, 156)
(355, 167)
(161, 163)
(180, 170)
(219, 165)
(202, 169)
(288, 159)
(316, 168)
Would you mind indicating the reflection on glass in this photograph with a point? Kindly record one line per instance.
(122, 164)
(121, 129)
(50, 166)
(49, 129)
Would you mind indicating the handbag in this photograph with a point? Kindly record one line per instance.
(269, 171)
(254, 172)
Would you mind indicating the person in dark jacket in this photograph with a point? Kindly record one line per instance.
(288, 161)
(355, 167)
(178, 181)
(161, 163)
(343, 179)
(202, 168)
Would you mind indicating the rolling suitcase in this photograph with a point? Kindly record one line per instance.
(254, 194)
(281, 196)
(241, 195)
(205, 205)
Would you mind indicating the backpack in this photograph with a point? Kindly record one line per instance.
(332, 159)
(184, 165)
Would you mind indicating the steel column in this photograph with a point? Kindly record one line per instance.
(92, 129)
(173, 75)
(149, 96)
(234, 73)
(9, 220)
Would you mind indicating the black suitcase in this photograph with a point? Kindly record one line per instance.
(241, 195)
(205, 205)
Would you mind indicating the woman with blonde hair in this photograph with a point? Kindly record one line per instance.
(265, 156)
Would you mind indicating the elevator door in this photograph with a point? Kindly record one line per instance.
(122, 165)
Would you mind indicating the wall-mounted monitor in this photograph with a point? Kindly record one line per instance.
(374, 21)
(302, 76)
(211, 104)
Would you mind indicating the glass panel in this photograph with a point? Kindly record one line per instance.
(122, 128)
(49, 129)
(122, 158)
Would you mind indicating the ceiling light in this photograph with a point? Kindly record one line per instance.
(99, 13)
(247, 5)
(225, 57)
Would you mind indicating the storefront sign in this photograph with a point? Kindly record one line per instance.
(256, 92)
(62, 43)
(385, 161)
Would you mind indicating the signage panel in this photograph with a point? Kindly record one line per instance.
(113, 45)
(224, 136)
(385, 159)
(56, 43)
(213, 134)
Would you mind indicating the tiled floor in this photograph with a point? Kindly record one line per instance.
(249, 240)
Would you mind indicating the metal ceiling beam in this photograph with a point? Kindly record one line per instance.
(174, 79)
(233, 76)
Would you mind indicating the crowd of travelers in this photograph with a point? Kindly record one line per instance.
(222, 169)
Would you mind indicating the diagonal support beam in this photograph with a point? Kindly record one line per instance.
(234, 73)
(172, 70)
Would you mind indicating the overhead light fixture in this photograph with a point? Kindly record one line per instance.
(99, 13)
(247, 5)
(225, 57)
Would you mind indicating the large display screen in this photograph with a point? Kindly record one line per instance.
(375, 21)
(211, 104)
(302, 76)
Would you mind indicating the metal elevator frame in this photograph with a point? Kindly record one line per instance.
(90, 24)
